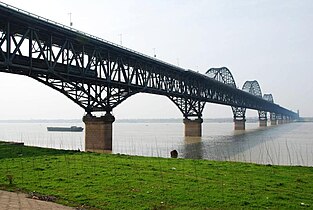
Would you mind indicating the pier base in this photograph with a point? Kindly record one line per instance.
(239, 124)
(262, 123)
(273, 122)
(98, 132)
(193, 128)
(280, 121)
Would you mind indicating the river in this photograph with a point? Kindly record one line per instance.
(287, 144)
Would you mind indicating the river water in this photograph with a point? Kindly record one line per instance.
(287, 144)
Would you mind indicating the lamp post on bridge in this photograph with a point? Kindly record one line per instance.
(121, 39)
(71, 23)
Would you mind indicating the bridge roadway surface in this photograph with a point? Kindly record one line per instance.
(19, 201)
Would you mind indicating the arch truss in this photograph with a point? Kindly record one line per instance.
(224, 75)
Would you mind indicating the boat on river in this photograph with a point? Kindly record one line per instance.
(66, 129)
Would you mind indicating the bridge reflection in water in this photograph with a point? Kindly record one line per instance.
(99, 75)
(258, 145)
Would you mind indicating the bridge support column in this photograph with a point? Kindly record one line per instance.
(284, 119)
(262, 122)
(240, 124)
(280, 121)
(273, 118)
(98, 132)
(273, 122)
(193, 128)
(262, 118)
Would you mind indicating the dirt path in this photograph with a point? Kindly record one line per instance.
(19, 201)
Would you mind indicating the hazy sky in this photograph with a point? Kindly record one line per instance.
(267, 40)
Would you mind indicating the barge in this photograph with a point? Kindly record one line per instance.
(66, 129)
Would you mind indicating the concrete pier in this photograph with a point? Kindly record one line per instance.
(193, 128)
(240, 124)
(287, 120)
(274, 122)
(98, 132)
(262, 122)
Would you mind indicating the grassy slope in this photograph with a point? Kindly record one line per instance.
(126, 182)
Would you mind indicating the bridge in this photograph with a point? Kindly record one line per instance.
(99, 75)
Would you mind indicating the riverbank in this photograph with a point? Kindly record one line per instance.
(103, 181)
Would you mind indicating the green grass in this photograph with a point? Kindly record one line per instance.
(103, 181)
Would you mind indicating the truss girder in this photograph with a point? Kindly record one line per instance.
(239, 113)
(91, 97)
(98, 75)
(189, 107)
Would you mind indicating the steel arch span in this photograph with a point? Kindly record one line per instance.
(252, 87)
(268, 97)
(224, 75)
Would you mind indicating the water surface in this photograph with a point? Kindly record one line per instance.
(287, 144)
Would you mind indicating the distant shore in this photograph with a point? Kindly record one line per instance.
(305, 119)
(170, 120)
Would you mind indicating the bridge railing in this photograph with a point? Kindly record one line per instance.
(83, 33)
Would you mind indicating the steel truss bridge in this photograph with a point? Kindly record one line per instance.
(99, 75)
